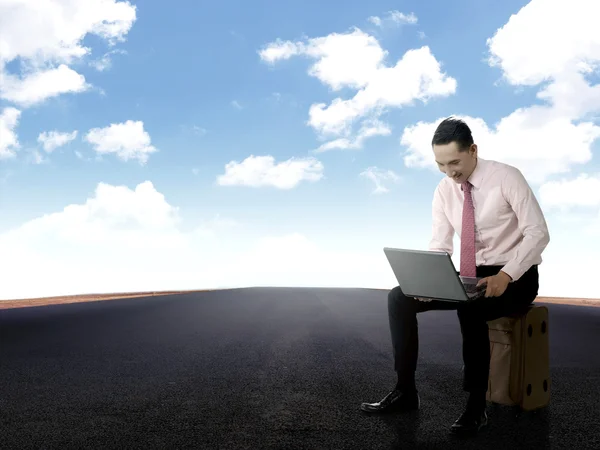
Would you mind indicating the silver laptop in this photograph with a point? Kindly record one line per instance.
(431, 274)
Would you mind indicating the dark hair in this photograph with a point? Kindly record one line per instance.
(453, 130)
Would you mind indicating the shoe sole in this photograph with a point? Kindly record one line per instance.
(391, 409)
(462, 432)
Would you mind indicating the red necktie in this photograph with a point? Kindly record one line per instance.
(467, 238)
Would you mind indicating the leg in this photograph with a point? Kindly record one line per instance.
(402, 313)
(473, 317)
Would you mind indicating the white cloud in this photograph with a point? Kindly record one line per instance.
(581, 194)
(367, 130)
(42, 85)
(35, 157)
(355, 60)
(296, 260)
(584, 191)
(376, 20)
(530, 51)
(404, 19)
(124, 239)
(105, 63)
(102, 64)
(571, 256)
(47, 36)
(128, 140)
(259, 171)
(281, 50)
(396, 17)
(9, 142)
(119, 239)
(379, 177)
(236, 105)
(542, 140)
(51, 140)
(115, 215)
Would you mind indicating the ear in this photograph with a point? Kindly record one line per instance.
(474, 149)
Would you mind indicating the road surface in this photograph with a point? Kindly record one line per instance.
(262, 368)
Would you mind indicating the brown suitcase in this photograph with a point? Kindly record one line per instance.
(520, 363)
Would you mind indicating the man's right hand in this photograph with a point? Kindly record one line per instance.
(421, 299)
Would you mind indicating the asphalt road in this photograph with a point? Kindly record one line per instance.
(265, 368)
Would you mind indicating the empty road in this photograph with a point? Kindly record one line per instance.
(265, 368)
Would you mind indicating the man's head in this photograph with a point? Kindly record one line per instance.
(454, 150)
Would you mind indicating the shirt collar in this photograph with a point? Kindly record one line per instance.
(476, 177)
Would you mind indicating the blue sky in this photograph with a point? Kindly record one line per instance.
(192, 94)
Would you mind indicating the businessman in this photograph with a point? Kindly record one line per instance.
(502, 233)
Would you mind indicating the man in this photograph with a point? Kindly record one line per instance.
(503, 233)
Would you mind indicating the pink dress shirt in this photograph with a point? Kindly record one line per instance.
(510, 229)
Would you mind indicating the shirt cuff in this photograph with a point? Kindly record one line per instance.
(514, 270)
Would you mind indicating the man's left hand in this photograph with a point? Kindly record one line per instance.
(496, 285)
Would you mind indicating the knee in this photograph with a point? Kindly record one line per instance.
(395, 294)
(397, 297)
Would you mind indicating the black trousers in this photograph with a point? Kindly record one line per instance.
(473, 317)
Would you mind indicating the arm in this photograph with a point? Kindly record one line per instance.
(532, 224)
(442, 229)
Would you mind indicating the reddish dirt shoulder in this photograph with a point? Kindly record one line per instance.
(6, 304)
(569, 301)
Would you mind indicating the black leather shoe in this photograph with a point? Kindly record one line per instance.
(394, 401)
(470, 422)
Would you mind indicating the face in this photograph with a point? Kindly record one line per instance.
(455, 164)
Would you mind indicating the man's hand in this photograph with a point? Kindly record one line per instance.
(496, 285)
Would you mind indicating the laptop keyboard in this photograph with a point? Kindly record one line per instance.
(471, 288)
(474, 291)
